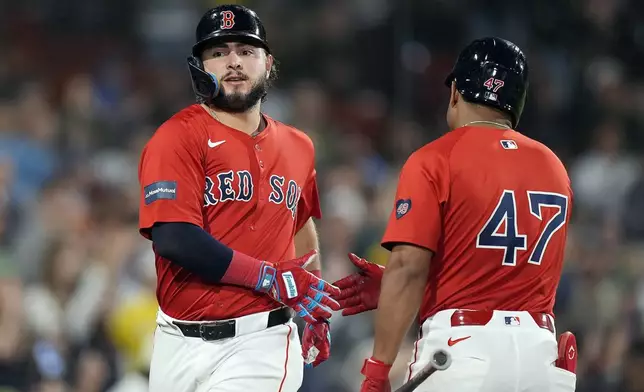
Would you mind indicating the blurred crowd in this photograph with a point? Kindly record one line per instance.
(83, 85)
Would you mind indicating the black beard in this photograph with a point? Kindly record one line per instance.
(239, 103)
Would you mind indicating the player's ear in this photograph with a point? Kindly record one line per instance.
(453, 95)
(269, 65)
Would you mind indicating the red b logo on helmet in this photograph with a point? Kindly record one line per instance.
(227, 20)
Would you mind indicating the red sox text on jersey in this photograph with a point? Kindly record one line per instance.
(220, 189)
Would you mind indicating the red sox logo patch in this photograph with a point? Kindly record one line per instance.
(227, 20)
(402, 207)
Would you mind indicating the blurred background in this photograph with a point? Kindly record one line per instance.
(84, 83)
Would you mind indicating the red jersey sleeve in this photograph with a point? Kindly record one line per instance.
(422, 189)
(309, 205)
(171, 178)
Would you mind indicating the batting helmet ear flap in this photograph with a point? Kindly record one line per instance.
(204, 84)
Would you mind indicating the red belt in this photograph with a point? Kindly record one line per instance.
(482, 317)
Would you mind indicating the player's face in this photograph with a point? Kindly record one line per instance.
(242, 71)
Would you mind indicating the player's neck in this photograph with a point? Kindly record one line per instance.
(491, 122)
(482, 117)
(247, 122)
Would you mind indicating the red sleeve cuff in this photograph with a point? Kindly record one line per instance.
(390, 242)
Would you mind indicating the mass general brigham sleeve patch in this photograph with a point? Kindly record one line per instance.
(402, 207)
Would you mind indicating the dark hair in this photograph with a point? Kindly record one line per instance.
(272, 76)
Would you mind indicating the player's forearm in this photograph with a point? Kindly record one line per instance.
(198, 252)
(307, 240)
(402, 290)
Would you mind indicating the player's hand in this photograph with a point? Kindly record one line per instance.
(316, 343)
(360, 291)
(289, 283)
(376, 376)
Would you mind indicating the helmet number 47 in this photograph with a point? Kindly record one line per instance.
(494, 84)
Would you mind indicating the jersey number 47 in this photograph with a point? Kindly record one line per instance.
(511, 241)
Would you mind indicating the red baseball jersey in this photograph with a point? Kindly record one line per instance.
(493, 205)
(251, 193)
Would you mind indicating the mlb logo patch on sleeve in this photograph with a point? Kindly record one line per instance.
(509, 144)
(160, 190)
(402, 207)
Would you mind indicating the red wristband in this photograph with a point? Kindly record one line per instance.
(243, 270)
(317, 273)
(375, 369)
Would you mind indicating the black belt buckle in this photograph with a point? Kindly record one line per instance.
(217, 330)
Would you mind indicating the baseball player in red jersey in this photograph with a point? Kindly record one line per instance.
(228, 197)
(477, 241)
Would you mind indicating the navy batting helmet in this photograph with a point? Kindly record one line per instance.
(492, 72)
(224, 23)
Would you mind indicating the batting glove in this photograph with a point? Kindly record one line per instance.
(316, 343)
(360, 291)
(289, 283)
(376, 376)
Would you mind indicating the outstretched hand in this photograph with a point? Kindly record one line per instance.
(359, 292)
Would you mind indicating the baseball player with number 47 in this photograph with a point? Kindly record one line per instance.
(477, 238)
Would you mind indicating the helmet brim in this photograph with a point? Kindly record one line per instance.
(221, 37)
